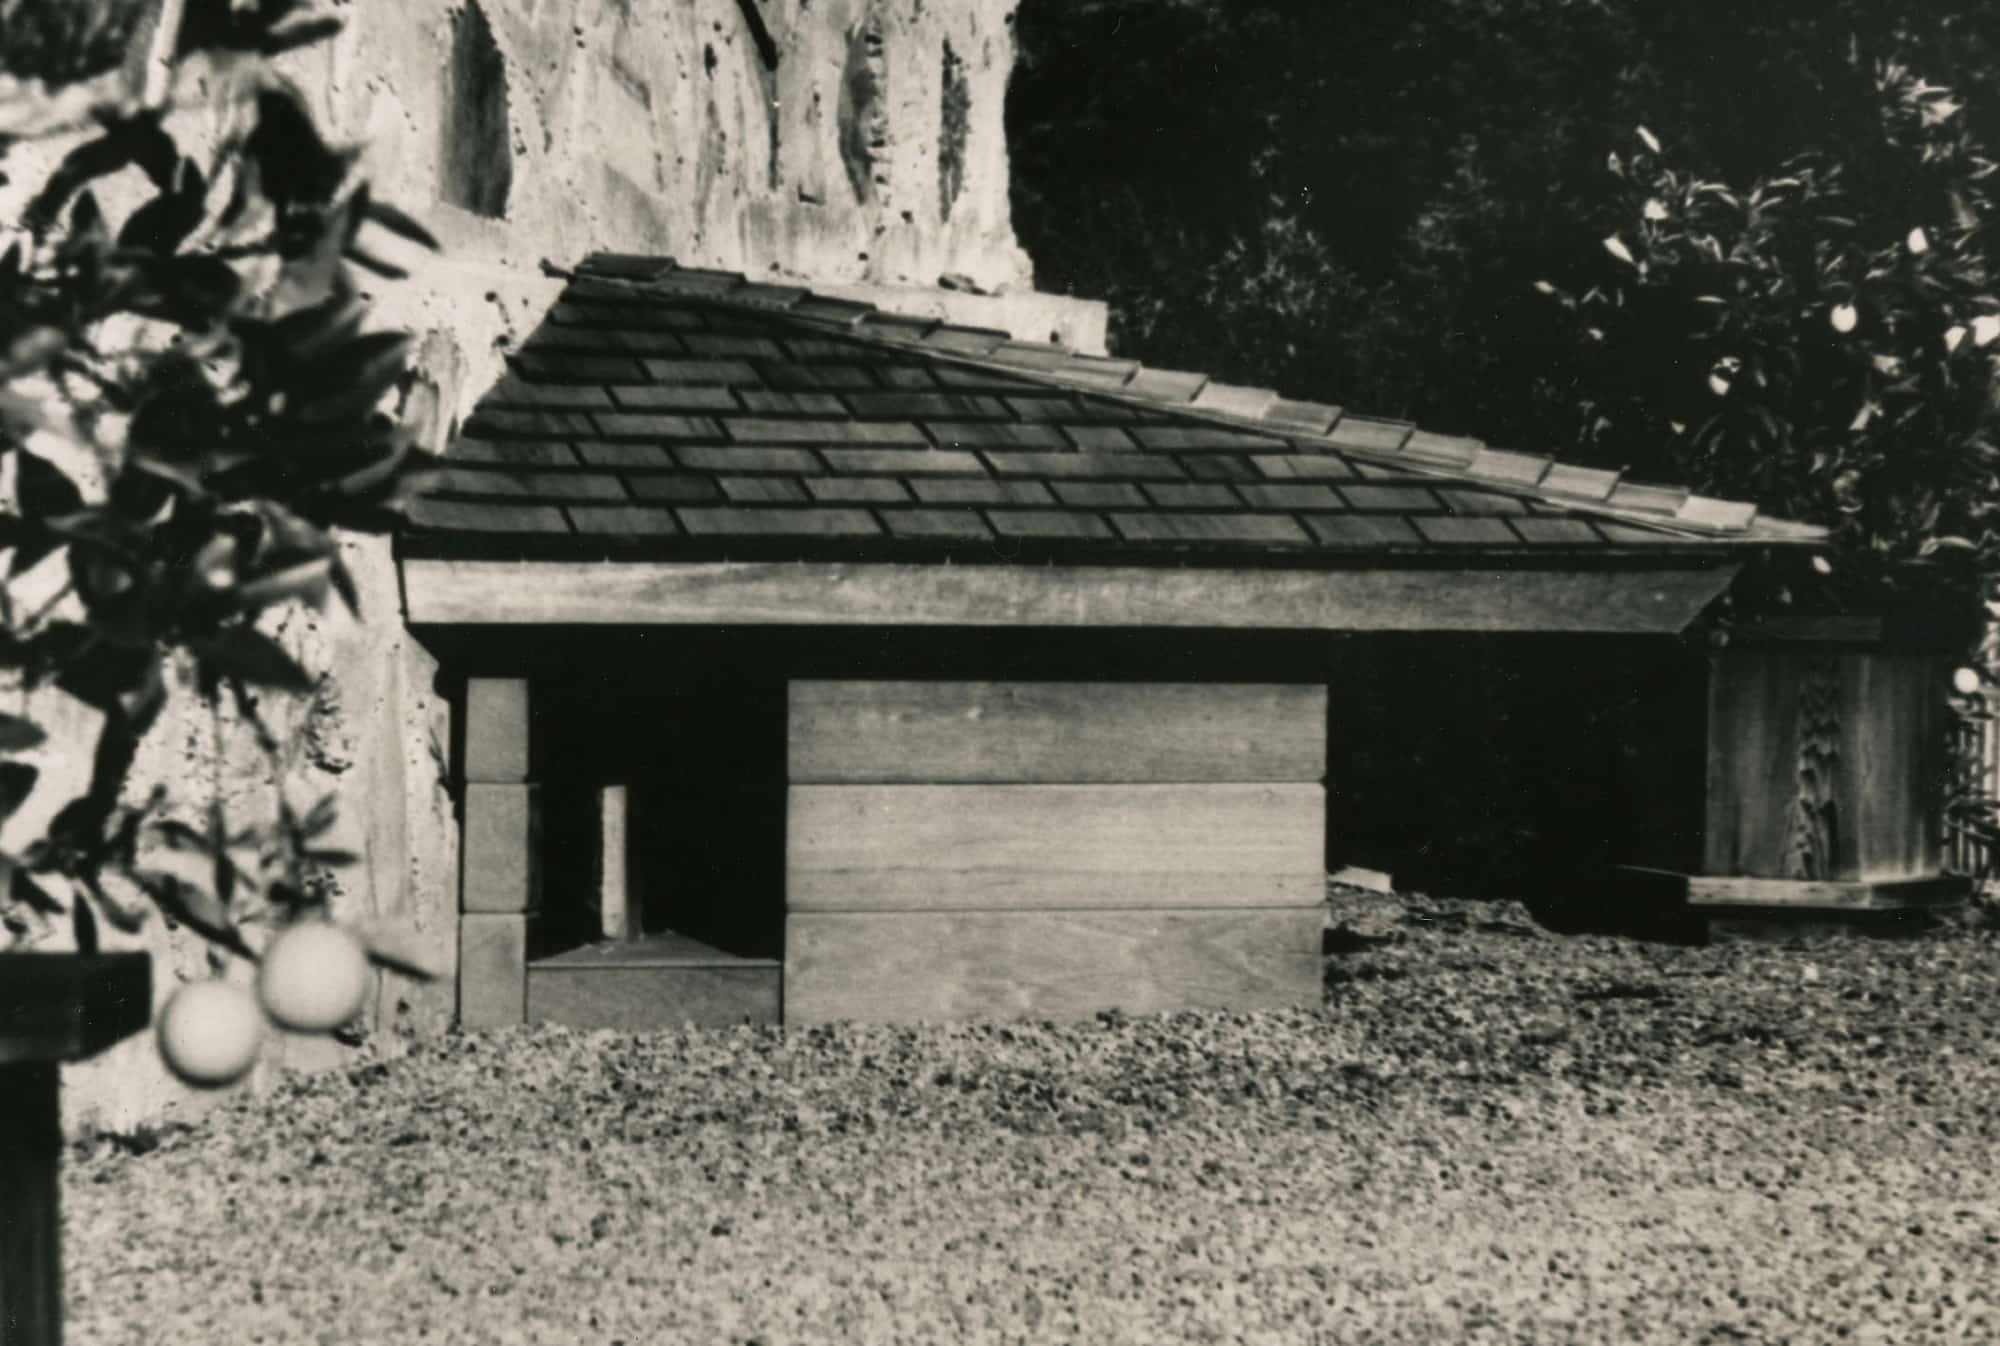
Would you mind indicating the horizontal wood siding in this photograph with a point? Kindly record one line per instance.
(1022, 732)
(912, 966)
(962, 847)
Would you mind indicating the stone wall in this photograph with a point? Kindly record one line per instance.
(856, 144)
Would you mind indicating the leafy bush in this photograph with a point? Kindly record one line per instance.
(192, 405)
(1820, 341)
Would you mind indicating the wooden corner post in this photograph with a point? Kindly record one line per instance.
(499, 856)
(53, 1008)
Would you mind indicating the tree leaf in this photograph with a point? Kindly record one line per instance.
(22, 888)
(247, 655)
(307, 581)
(18, 735)
(397, 222)
(368, 261)
(193, 907)
(105, 675)
(41, 489)
(83, 922)
(303, 33)
(17, 782)
(397, 948)
(357, 378)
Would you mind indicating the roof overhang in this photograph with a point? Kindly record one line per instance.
(1654, 600)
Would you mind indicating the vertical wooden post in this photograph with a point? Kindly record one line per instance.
(499, 864)
(54, 1007)
(30, 1229)
(616, 917)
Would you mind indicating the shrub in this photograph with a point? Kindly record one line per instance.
(191, 403)
(1820, 341)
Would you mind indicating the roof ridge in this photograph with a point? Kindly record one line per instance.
(1376, 440)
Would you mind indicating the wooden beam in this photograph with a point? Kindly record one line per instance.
(1732, 890)
(1911, 630)
(65, 1007)
(496, 730)
(902, 967)
(545, 593)
(31, 1292)
(1017, 847)
(1073, 732)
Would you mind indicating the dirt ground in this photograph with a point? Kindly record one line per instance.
(1487, 1134)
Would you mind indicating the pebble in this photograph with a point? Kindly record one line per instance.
(1485, 1134)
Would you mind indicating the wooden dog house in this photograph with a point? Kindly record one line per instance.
(821, 662)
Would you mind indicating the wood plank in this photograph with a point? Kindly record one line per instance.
(961, 847)
(638, 999)
(1753, 759)
(1735, 890)
(1831, 895)
(1908, 631)
(31, 1291)
(496, 729)
(492, 970)
(1666, 599)
(915, 966)
(936, 732)
(500, 857)
(616, 916)
(1893, 763)
(65, 1006)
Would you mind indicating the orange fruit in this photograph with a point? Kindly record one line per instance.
(313, 977)
(208, 1033)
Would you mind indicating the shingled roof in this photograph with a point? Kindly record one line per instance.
(670, 413)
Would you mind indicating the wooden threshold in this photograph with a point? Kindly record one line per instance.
(668, 949)
(657, 983)
(1633, 601)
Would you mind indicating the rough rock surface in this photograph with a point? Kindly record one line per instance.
(857, 144)
(1487, 1134)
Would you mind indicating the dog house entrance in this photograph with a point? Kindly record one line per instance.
(662, 846)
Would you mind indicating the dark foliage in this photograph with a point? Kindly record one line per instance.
(192, 405)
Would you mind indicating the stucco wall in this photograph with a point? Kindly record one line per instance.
(869, 156)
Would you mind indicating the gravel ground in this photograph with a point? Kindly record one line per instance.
(1488, 1134)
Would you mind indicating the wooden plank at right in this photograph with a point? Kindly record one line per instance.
(1019, 847)
(1073, 732)
(906, 967)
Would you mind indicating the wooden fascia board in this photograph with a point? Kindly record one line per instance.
(450, 593)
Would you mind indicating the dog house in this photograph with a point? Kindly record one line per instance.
(820, 662)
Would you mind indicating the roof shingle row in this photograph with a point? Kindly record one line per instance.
(675, 410)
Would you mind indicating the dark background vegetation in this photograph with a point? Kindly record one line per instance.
(1352, 202)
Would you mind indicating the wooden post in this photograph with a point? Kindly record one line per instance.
(53, 1008)
(616, 916)
(30, 1225)
(499, 858)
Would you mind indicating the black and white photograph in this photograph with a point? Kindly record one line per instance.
(912, 672)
